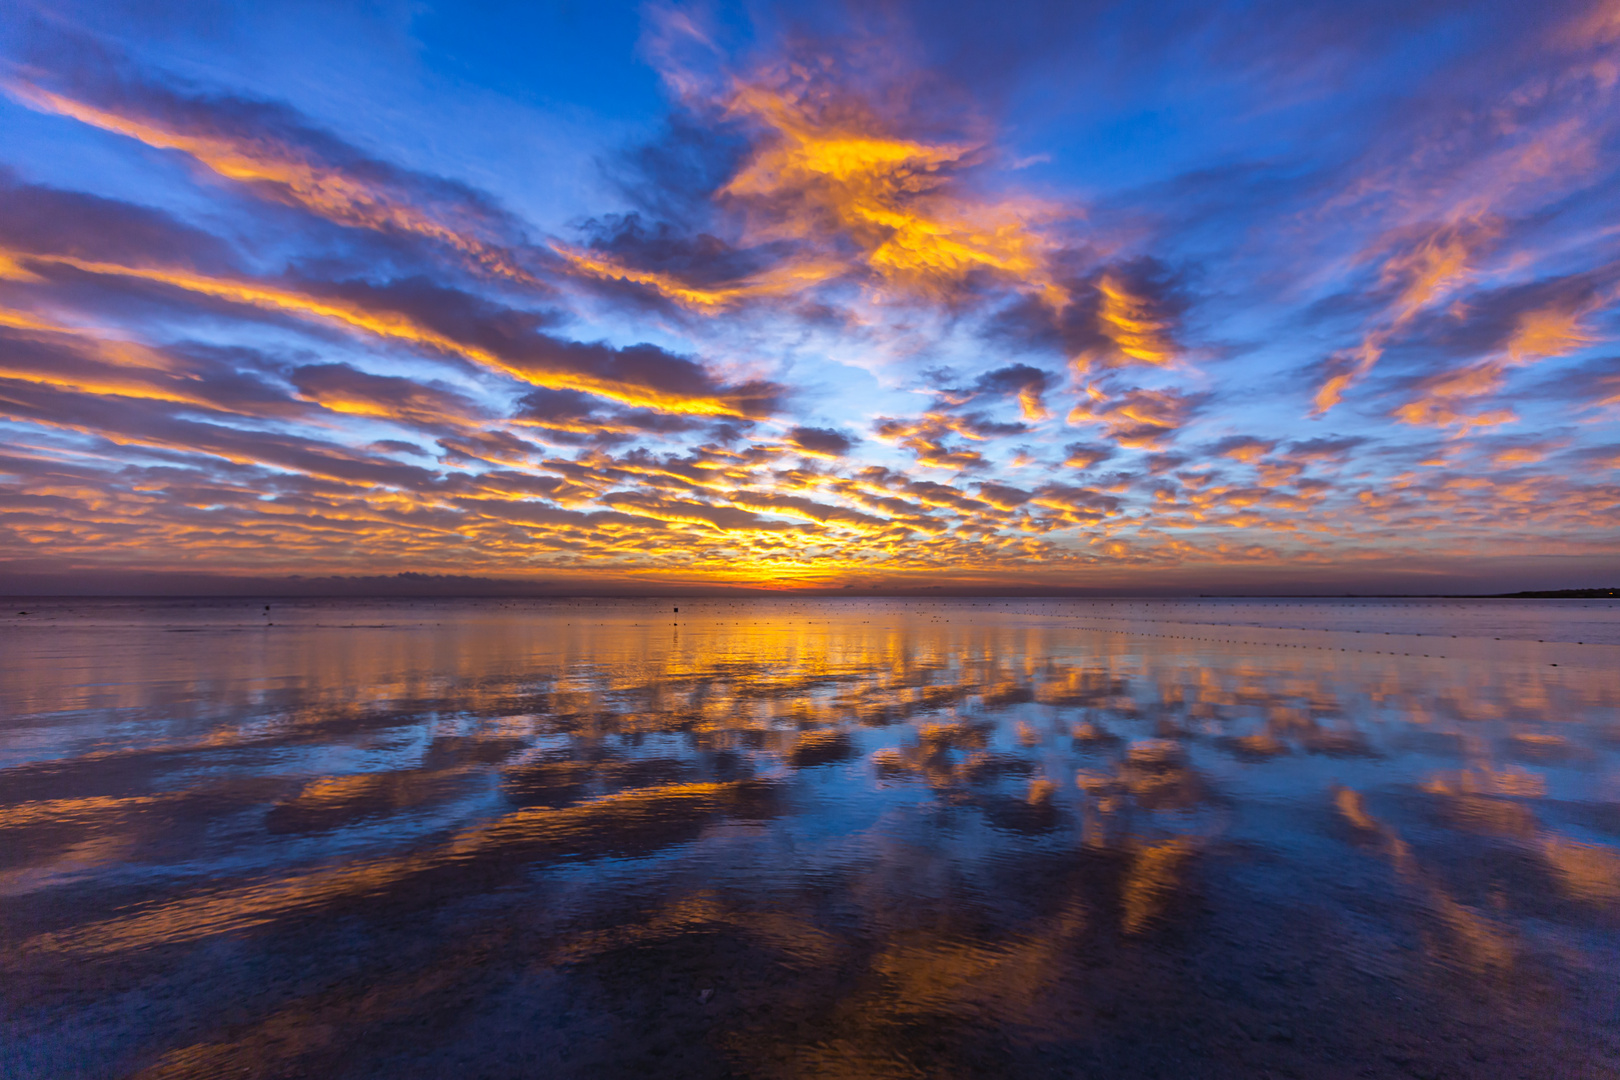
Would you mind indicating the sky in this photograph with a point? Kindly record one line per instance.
(954, 295)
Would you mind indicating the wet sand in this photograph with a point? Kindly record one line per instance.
(856, 838)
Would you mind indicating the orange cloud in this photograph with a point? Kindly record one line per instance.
(783, 280)
(1518, 455)
(850, 195)
(831, 169)
(1133, 323)
(1552, 331)
(1422, 271)
(1538, 334)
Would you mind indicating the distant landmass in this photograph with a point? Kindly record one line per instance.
(24, 581)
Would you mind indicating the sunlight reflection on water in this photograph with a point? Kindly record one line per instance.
(834, 838)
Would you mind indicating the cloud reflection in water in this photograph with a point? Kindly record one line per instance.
(894, 838)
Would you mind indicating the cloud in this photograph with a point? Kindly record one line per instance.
(1119, 314)
(1137, 418)
(436, 319)
(1071, 505)
(1082, 455)
(824, 165)
(723, 518)
(1530, 325)
(44, 221)
(276, 154)
(820, 183)
(1028, 383)
(344, 389)
(1481, 178)
(927, 436)
(570, 417)
(1134, 321)
(152, 423)
(1244, 448)
(808, 509)
(821, 442)
(1335, 449)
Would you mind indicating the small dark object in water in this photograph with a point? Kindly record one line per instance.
(22, 612)
(677, 611)
(704, 996)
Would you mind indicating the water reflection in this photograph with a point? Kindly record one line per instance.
(857, 838)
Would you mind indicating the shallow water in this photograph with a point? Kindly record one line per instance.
(848, 838)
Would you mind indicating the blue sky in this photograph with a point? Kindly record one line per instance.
(1027, 296)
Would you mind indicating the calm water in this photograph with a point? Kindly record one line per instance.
(810, 839)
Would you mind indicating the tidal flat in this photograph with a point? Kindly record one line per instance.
(810, 838)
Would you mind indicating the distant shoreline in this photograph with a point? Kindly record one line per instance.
(1531, 594)
(816, 594)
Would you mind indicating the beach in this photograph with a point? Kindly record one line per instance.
(797, 837)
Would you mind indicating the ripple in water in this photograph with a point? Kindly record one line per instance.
(850, 838)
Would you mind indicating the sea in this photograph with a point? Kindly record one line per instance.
(817, 838)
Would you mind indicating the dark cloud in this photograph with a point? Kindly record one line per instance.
(673, 176)
(1002, 496)
(980, 426)
(1013, 379)
(36, 220)
(1591, 383)
(1081, 455)
(1324, 449)
(395, 446)
(700, 259)
(1158, 464)
(821, 441)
